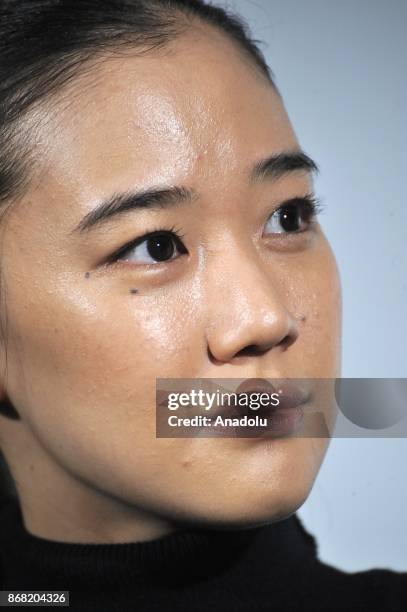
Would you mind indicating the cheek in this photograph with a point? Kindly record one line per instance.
(98, 357)
(327, 322)
(84, 377)
(314, 296)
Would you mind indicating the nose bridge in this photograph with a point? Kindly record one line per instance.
(245, 306)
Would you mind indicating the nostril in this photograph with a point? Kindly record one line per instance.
(251, 350)
(287, 341)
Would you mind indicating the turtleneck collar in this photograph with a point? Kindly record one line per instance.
(180, 557)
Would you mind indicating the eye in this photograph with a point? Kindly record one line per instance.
(155, 247)
(294, 216)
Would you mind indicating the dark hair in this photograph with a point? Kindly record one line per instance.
(45, 43)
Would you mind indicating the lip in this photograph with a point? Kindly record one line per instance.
(282, 420)
(291, 395)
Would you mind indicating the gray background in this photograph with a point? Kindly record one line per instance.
(341, 68)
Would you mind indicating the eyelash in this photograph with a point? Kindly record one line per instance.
(309, 202)
(311, 206)
(115, 257)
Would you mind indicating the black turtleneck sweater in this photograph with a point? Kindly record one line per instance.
(273, 568)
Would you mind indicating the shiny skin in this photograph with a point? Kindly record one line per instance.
(84, 352)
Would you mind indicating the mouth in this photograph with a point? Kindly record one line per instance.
(264, 409)
(256, 408)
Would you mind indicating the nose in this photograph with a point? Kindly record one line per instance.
(247, 315)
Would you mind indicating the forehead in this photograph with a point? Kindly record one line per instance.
(196, 110)
(199, 88)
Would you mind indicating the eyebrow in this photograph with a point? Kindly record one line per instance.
(276, 166)
(272, 168)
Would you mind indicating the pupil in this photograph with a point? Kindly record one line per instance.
(289, 219)
(160, 247)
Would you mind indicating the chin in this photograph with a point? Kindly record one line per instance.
(276, 508)
(248, 508)
(274, 491)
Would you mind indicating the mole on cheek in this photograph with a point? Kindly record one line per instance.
(133, 290)
(87, 274)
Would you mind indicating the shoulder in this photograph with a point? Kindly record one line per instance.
(333, 589)
(366, 591)
(7, 504)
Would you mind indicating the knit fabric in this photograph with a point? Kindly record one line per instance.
(272, 568)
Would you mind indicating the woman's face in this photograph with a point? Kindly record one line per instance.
(85, 349)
